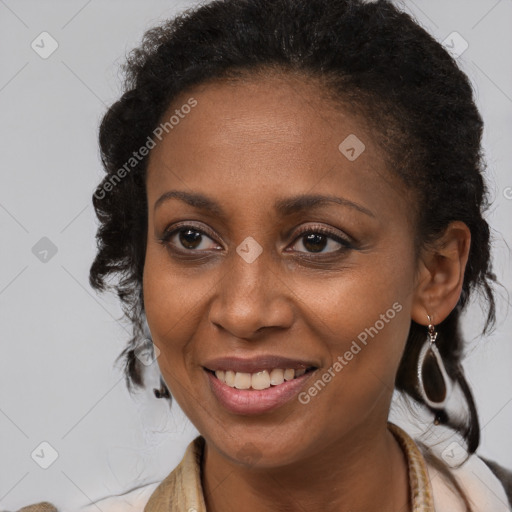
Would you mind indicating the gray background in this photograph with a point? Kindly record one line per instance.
(59, 339)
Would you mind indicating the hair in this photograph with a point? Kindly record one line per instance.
(373, 59)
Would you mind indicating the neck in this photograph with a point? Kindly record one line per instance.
(365, 470)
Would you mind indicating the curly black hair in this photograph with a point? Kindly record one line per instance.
(373, 59)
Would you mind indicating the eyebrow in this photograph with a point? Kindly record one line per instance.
(287, 206)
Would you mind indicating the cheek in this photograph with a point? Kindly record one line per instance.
(363, 327)
(166, 309)
(363, 315)
(171, 295)
(174, 302)
(170, 310)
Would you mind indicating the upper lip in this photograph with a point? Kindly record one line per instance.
(256, 364)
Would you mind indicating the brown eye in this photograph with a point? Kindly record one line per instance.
(316, 240)
(188, 238)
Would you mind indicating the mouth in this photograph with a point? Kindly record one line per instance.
(261, 380)
(257, 393)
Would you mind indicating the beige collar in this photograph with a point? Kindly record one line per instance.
(181, 490)
(419, 481)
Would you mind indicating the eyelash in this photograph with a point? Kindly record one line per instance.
(346, 244)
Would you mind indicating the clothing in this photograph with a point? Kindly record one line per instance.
(181, 490)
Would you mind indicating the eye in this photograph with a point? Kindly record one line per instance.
(316, 239)
(188, 238)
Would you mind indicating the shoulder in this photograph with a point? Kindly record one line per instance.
(483, 489)
(133, 501)
(182, 483)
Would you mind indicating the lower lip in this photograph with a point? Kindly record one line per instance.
(252, 401)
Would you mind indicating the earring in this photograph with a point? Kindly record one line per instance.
(163, 392)
(434, 384)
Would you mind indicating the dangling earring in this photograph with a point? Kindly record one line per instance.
(434, 384)
(163, 392)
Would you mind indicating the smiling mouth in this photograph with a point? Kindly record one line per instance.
(264, 379)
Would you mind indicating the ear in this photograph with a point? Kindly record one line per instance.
(441, 274)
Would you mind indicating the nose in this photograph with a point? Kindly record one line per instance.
(252, 297)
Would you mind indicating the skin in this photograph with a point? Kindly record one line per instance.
(246, 145)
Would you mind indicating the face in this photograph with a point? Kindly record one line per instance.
(254, 271)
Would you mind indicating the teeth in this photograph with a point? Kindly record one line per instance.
(229, 378)
(242, 380)
(289, 374)
(259, 380)
(276, 376)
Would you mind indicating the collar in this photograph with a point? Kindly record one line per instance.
(181, 490)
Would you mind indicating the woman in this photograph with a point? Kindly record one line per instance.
(294, 204)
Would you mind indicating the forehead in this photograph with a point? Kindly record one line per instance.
(257, 139)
